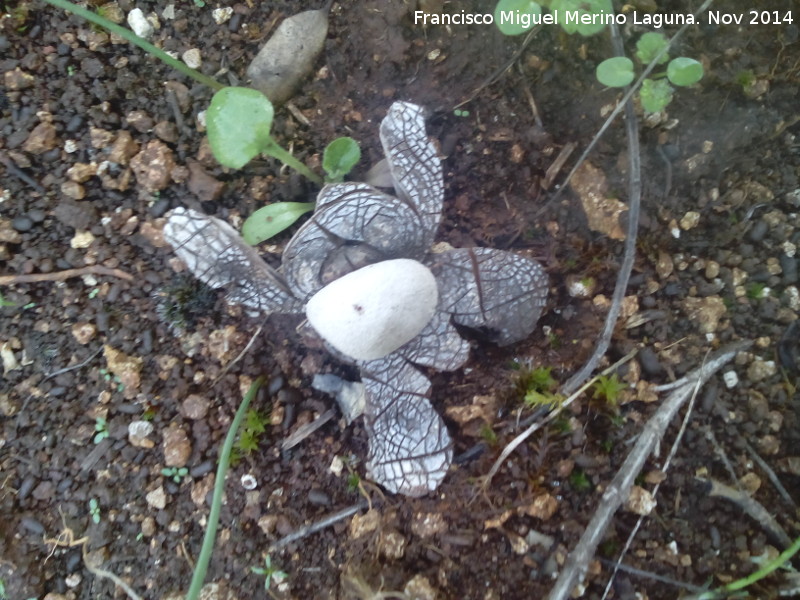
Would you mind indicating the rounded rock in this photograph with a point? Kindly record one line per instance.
(22, 223)
(371, 312)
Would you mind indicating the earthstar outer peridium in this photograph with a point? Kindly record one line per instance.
(363, 272)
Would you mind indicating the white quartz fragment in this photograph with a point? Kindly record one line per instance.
(139, 24)
(371, 312)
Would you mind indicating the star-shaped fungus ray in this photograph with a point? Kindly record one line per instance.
(409, 447)
(354, 225)
(217, 255)
(414, 164)
(499, 293)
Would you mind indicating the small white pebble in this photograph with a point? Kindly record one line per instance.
(192, 58)
(249, 482)
(789, 248)
(168, 12)
(139, 24)
(70, 146)
(672, 547)
(792, 297)
(222, 15)
(82, 239)
(731, 379)
(690, 220)
(337, 465)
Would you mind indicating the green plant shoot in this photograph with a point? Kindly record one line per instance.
(272, 219)
(655, 94)
(239, 121)
(340, 156)
(514, 6)
(615, 72)
(583, 8)
(201, 566)
(608, 389)
(271, 574)
(648, 47)
(683, 71)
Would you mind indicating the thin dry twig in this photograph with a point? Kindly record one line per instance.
(14, 170)
(64, 275)
(617, 491)
(306, 430)
(656, 487)
(307, 530)
(502, 69)
(66, 539)
(241, 354)
(629, 252)
(751, 507)
(771, 474)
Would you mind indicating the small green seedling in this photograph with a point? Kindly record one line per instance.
(580, 481)
(757, 290)
(235, 141)
(175, 473)
(488, 434)
(511, 18)
(353, 482)
(270, 220)
(94, 510)
(461, 113)
(608, 389)
(339, 158)
(108, 377)
(93, 293)
(587, 11)
(239, 121)
(656, 91)
(254, 426)
(539, 387)
(4, 303)
(515, 17)
(101, 430)
(271, 574)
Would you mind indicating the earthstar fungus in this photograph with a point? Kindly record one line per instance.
(363, 271)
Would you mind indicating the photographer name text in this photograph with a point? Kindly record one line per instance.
(575, 17)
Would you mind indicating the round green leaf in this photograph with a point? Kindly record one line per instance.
(655, 94)
(595, 9)
(615, 72)
(684, 71)
(272, 219)
(238, 122)
(340, 156)
(515, 7)
(649, 45)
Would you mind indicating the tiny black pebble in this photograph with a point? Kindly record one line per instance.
(36, 215)
(160, 208)
(22, 223)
